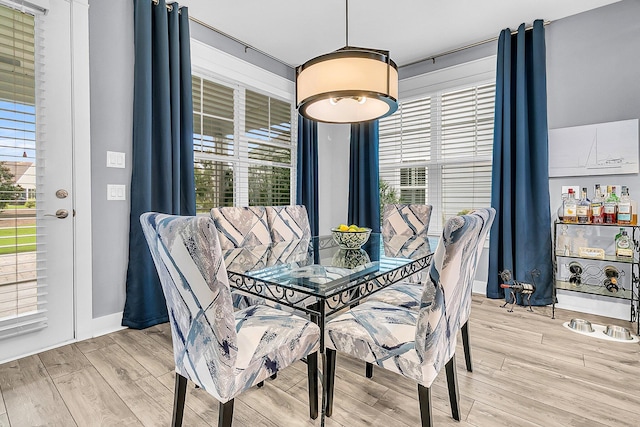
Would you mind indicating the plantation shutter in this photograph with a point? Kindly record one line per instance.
(466, 129)
(269, 154)
(405, 149)
(243, 144)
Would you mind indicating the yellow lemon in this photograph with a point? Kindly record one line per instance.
(343, 227)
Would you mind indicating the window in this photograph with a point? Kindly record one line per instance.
(437, 149)
(244, 151)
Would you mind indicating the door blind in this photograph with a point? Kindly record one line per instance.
(22, 288)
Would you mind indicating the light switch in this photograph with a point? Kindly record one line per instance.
(116, 192)
(115, 159)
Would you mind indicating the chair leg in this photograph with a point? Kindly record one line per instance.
(178, 400)
(467, 347)
(424, 397)
(312, 374)
(260, 384)
(329, 377)
(225, 414)
(452, 385)
(274, 376)
(369, 370)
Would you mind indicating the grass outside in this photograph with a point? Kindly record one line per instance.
(20, 239)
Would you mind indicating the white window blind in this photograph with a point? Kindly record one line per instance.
(22, 289)
(244, 146)
(437, 149)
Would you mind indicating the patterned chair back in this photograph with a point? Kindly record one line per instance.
(241, 226)
(287, 223)
(486, 217)
(404, 231)
(406, 220)
(443, 294)
(187, 255)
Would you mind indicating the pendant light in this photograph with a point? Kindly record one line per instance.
(350, 85)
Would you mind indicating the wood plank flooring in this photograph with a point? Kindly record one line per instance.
(528, 371)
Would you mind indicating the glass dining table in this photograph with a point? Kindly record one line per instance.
(317, 277)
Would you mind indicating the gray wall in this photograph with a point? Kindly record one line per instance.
(111, 71)
(593, 73)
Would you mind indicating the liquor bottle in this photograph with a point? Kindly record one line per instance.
(611, 278)
(597, 213)
(624, 248)
(624, 207)
(569, 208)
(618, 235)
(583, 210)
(611, 207)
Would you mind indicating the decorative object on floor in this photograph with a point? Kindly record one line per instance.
(350, 85)
(581, 325)
(520, 240)
(609, 333)
(524, 289)
(162, 177)
(351, 238)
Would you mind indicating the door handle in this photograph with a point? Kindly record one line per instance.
(60, 214)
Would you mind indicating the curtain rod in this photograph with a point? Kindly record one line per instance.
(469, 46)
(246, 46)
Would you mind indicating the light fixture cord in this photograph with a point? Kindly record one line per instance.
(346, 15)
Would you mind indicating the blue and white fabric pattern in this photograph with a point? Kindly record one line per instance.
(415, 344)
(288, 223)
(241, 226)
(406, 220)
(403, 294)
(405, 228)
(221, 351)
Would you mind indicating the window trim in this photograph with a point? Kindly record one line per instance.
(433, 85)
(222, 68)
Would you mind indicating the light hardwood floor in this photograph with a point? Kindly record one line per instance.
(528, 371)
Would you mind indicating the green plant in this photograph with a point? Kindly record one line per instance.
(388, 195)
(8, 190)
(29, 204)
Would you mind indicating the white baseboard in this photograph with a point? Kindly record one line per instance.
(594, 304)
(107, 324)
(582, 303)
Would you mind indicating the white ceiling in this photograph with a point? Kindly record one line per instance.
(297, 30)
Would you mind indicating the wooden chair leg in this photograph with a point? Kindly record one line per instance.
(329, 377)
(260, 384)
(178, 400)
(424, 397)
(312, 374)
(274, 376)
(369, 370)
(467, 347)
(225, 414)
(452, 385)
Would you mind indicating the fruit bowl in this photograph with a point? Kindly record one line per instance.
(351, 239)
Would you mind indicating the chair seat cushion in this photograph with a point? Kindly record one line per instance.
(383, 334)
(269, 340)
(406, 295)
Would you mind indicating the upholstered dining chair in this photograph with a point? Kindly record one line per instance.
(240, 226)
(416, 344)
(287, 223)
(402, 225)
(407, 295)
(222, 351)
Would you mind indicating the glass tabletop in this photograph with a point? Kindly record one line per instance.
(320, 267)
